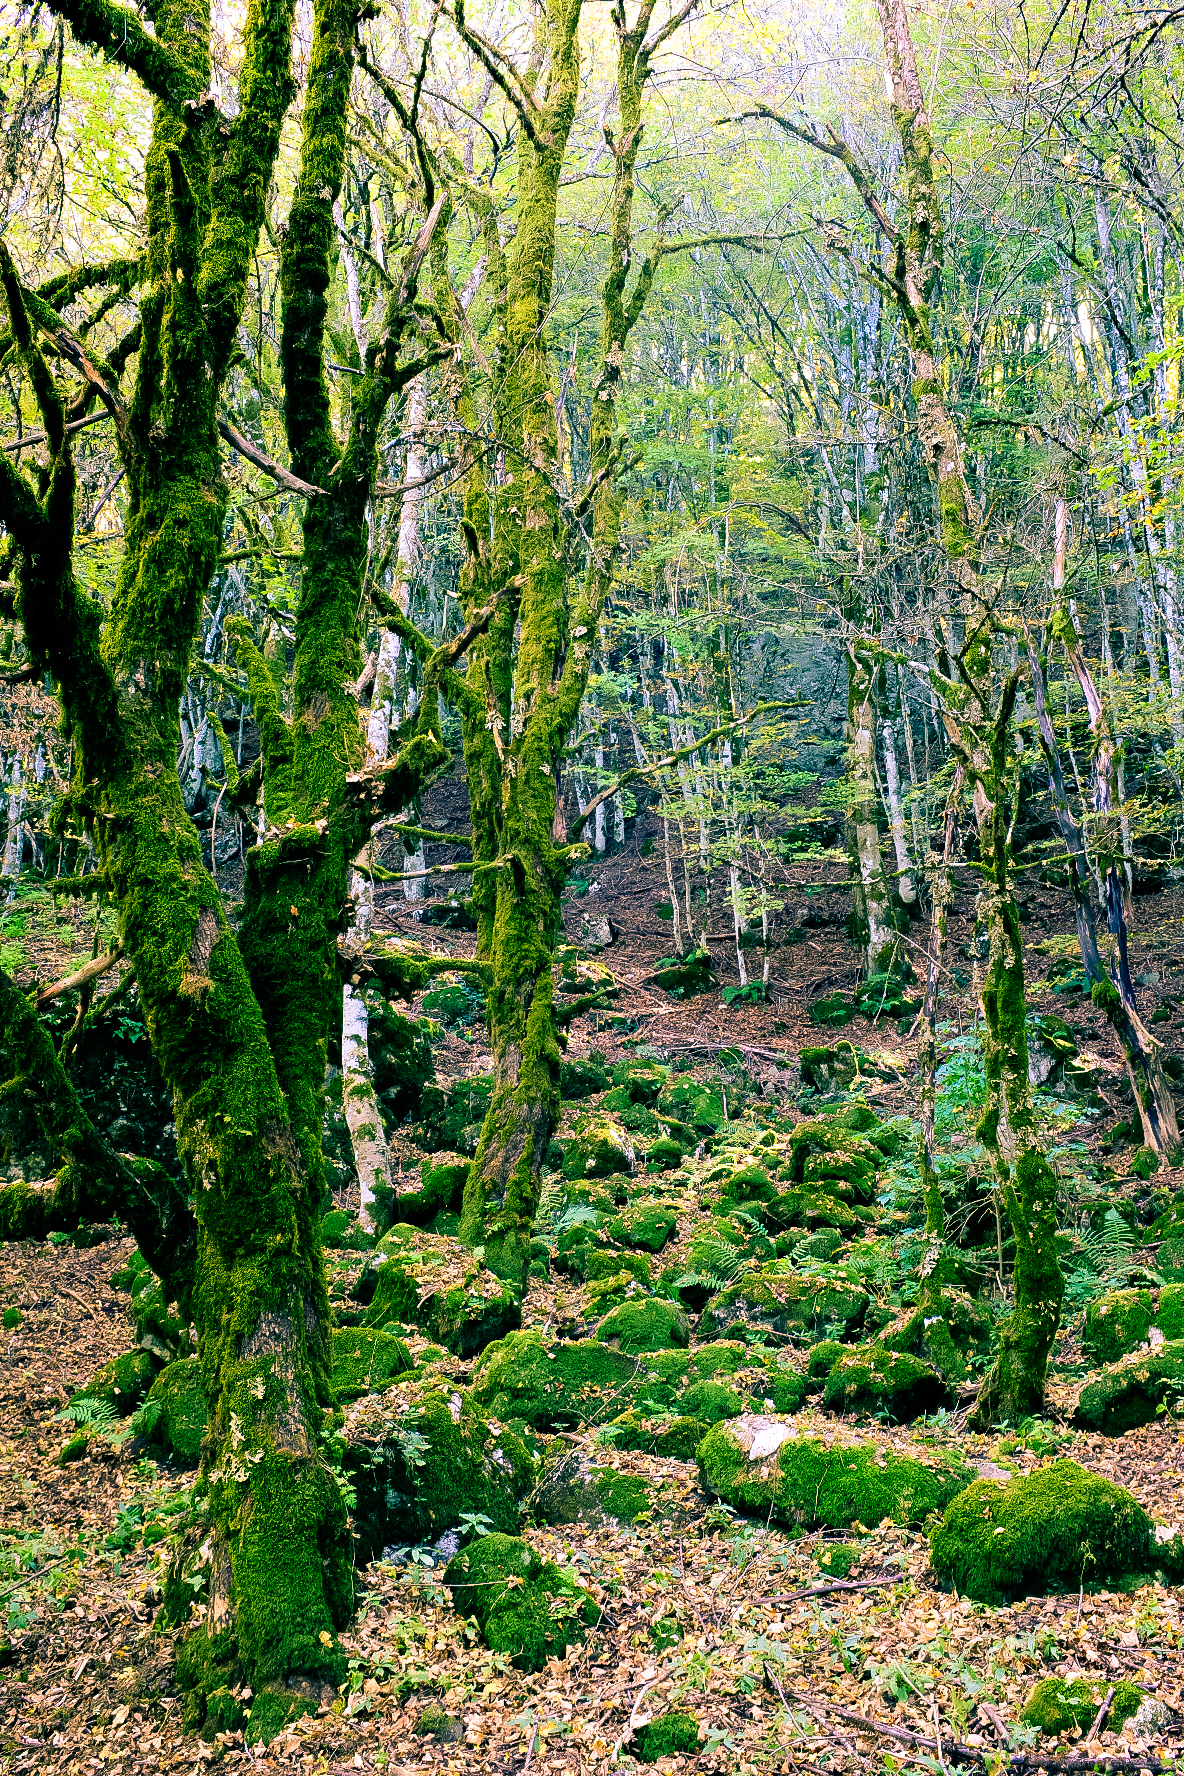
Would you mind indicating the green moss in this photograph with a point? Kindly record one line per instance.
(438, 1285)
(604, 1264)
(676, 1438)
(422, 1456)
(1116, 1323)
(12, 1318)
(273, 1709)
(74, 1449)
(1058, 1704)
(524, 1606)
(1131, 1393)
(364, 1361)
(599, 1148)
(1056, 1529)
(124, 1382)
(556, 1389)
(582, 1079)
(647, 1227)
(622, 1497)
(1145, 1163)
(871, 1379)
(224, 1712)
(836, 1559)
(1169, 1259)
(645, 1325)
(1169, 1311)
(775, 1299)
(761, 1465)
(181, 1425)
(668, 1735)
(699, 1106)
(711, 1401)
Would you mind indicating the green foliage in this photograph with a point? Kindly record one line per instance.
(524, 1606)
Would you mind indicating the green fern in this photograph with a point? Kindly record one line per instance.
(711, 1255)
(550, 1208)
(91, 1411)
(1109, 1250)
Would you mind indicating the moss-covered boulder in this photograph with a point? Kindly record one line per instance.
(759, 1464)
(599, 1148)
(1169, 1312)
(952, 1342)
(645, 1324)
(700, 1107)
(553, 1388)
(441, 1186)
(1056, 1529)
(525, 1607)
(1058, 1704)
(646, 1228)
(831, 1069)
(685, 977)
(676, 1438)
(176, 1411)
(711, 1401)
(576, 1487)
(833, 1010)
(1130, 1393)
(421, 1456)
(438, 1285)
(582, 1078)
(364, 1361)
(1169, 1260)
(668, 1735)
(612, 1263)
(868, 1378)
(123, 1383)
(777, 1299)
(1116, 1323)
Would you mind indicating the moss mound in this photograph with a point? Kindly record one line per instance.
(180, 1421)
(437, 1284)
(647, 1227)
(776, 1299)
(421, 1456)
(576, 1487)
(365, 1360)
(524, 1606)
(1131, 1393)
(272, 1710)
(123, 1383)
(1053, 1530)
(837, 1559)
(1116, 1323)
(711, 1401)
(1058, 1704)
(645, 1325)
(600, 1148)
(871, 1379)
(668, 1735)
(560, 1389)
(675, 1438)
(760, 1465)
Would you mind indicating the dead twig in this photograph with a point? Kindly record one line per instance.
(838, 1585)
(1100, 1717)
(85, 1305)
(99, 965)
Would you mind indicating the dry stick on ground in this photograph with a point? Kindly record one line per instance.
(1103, 1711)
(93, 1311)
(838, 1585)
(1020, 1760)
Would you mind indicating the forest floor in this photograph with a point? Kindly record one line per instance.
(708, 1615)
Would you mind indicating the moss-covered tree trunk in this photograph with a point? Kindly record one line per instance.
(526, 689)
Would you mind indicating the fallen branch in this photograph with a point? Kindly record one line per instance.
(99, 965)
(838, 1585)
(283, 477)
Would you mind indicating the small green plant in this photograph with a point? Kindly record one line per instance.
(474, 1524)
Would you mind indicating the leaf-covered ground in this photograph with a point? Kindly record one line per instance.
(703, 1612)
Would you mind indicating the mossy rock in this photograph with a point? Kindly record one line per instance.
(441, 1186)
(685, 977)
(1056, 1529)
(273, 1709)
(1145, 1163)
(582, 1078)
(646, 1228)
(711, 1401)
(438, 1285)
(700, 1107)
(1116, 1323)
(180, 1423)
(1058, 1704)
(364, 1361)
(400, 1050)
(645, 1325)
(775, 1299)
(951, 1342)
(340, 1232)
(577, 1487)
(450, 1117)
(828, 1069)
(664, 1154)
(1131, 1393)
(641, 1080)
(676, 1438)
(761, 1465)
(668, 1735)
(609, 1263)
(434, 1722)
(423, 1455)
(535, 1617)
(871, 1379)
(554, 1389)
(1169, 1312)
(821, 1360)
(607, 1292)
(1169, 1260)
(833, 1010)
(600, 1148)
(123, 1383)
